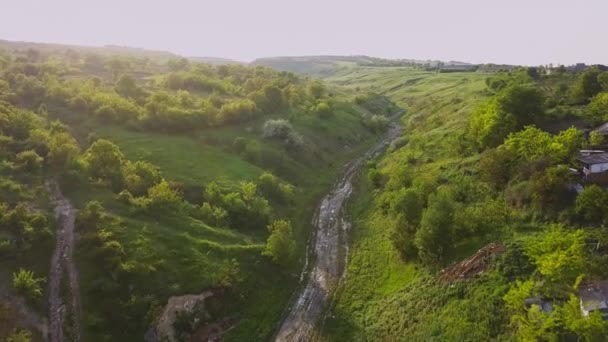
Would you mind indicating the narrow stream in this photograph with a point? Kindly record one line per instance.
(330, 251)
(62, 262)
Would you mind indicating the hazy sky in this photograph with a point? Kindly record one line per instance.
(500, 31)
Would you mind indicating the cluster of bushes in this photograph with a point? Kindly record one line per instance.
(559, 262)
(376, 104)
(512, 108)
(195, 82)
(282, 130)
(24, 226)
(27, 284)
(99, 234)
(243, 209)
(195, 95)
(428, 224)
(28, 142)
(105, 163)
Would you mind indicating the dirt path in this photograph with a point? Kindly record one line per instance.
(330, 252)
(61, 262)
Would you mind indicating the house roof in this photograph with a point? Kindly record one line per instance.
(594, 295)
(602, 129)
(594, 158)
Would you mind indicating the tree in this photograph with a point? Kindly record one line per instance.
(163, 199)
(104, 162)
(140, 176)
(117, 66)
(512, 108)
(25, 283)
(602, 79)
(28, 161)
(280, 246)
(322, 109)
(592, 328)
(406, 206)
(533, 73)
(434, 237)
(271, 186)
(596, 138)
(533, 144)
(587, 85)
(63, 149)
(550, 188)
(489, 125)
(20, 335)
(598, 108)
(316, 89)
(126, 86)
(592, 203)
(559, 254)
(524, 102)
(496, 166)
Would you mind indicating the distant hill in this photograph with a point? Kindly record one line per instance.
(104, 50)
(215, 60)
(311, 65)
(324, 66)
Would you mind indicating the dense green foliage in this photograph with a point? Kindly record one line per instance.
(27, 284)
(186, 176)
(478, 165)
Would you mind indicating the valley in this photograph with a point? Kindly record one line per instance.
(325, 198)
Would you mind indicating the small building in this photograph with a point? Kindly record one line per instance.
(593, 296)
(593, 161)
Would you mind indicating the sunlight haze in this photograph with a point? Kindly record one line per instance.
(517, 32)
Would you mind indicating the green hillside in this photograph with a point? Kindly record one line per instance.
(462, 176)
(177, 169)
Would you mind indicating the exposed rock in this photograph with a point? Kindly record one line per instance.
(176, 305)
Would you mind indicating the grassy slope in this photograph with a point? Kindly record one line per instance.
(383, 298)
(190, 252)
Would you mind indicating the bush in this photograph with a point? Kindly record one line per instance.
(19, 336)
(375, 122)
(26, 284)
(237, 112)
(104, 162)
(375, 177)
(322, 109)
(598, 108)
(434, 238)
(283, 130)
(272, 187)
(281, 245)
(162, 198)
(28, 161)
(592, 203)
(140, 176)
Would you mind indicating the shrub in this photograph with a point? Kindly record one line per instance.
(322, 109)
(104, 162)
(272, 187)
(140, 176)
(25, 283)
(375, 122)
(28, 161)
(281, 245)
(162, 198)
(592, 203)
(283, 130)
(20, 335)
